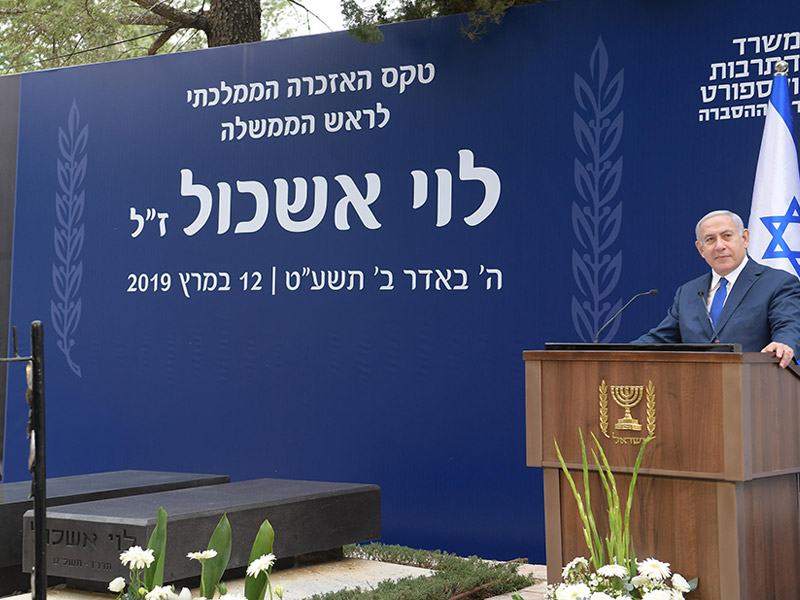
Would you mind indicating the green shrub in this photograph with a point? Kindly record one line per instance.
(453, 575)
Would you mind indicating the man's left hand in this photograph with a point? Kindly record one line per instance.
(781, 351)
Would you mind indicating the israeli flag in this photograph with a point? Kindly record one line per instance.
(775, 213)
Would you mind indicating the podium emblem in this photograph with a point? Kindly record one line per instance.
(628, 397)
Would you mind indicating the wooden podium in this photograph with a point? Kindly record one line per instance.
(717, 495)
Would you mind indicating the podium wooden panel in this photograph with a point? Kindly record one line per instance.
(717, 494)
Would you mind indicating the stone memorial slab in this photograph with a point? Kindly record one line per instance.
(84, 540)
(15, 500)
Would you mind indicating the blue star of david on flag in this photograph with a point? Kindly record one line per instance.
(778, 247)
(776, 189)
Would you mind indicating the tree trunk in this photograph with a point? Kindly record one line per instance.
(233, 22)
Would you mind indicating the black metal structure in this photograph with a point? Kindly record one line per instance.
(34, 394)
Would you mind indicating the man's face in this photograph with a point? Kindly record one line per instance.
(721, 245)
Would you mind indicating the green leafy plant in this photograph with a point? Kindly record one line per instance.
(612, 570)
(255, 588)
(147, 566)
(618, 543)
(215, 560)
(469, 578)
(154, 574)
(214, 567)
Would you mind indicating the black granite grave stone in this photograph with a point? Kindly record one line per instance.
(15, 500)
(84, 541)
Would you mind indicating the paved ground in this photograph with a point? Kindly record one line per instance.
(534, 592)
(303, 582)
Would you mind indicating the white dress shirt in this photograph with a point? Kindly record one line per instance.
(731, 277)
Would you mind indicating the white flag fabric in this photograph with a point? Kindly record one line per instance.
(774, 213)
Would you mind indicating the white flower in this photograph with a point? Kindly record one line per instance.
(117, 585)
(578, 561)
(600, 596)
(137, 558)
(639, 581)
(680, 584)
(657, 595)
(261, 565)
(279, 591)
(201, 556)
(676, 595)
(186, 594)
(160, 592)
(575, 591)
(612, 571)
(654, 569)
(557, 589)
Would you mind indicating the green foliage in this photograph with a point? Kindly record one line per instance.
(486, 12)
(33, 31)
(136, 559)
(255, 588)
(213, 568)
(453, 576)
(36, 34)
(618, 543)
(400, 555)
(154, 574)
(363, 22)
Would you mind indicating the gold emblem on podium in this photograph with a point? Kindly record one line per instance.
(627, 397)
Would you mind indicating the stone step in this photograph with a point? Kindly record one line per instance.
(15, 500)
(85, 540)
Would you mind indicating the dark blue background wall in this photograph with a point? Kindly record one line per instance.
(596, 119)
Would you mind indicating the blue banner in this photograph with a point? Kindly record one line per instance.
(318, 259)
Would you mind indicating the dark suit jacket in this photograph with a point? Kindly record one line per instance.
(762, 307)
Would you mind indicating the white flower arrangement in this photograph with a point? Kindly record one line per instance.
(147, 567)
(621, 577)
(614, 582)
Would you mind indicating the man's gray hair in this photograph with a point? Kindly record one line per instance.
(737, 220)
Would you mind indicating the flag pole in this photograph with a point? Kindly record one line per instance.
(774, 222)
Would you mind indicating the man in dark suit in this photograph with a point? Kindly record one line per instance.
(750, 304)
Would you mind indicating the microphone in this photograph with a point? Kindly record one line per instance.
(702, 295)
(607, 323)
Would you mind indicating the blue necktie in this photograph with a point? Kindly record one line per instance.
(719, 300)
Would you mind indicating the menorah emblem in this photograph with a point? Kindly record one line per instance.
(627, 396)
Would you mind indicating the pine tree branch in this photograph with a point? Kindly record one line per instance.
(161, 40)
(309, 12)
(15, 12)
(172, 15)
(146, 18)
